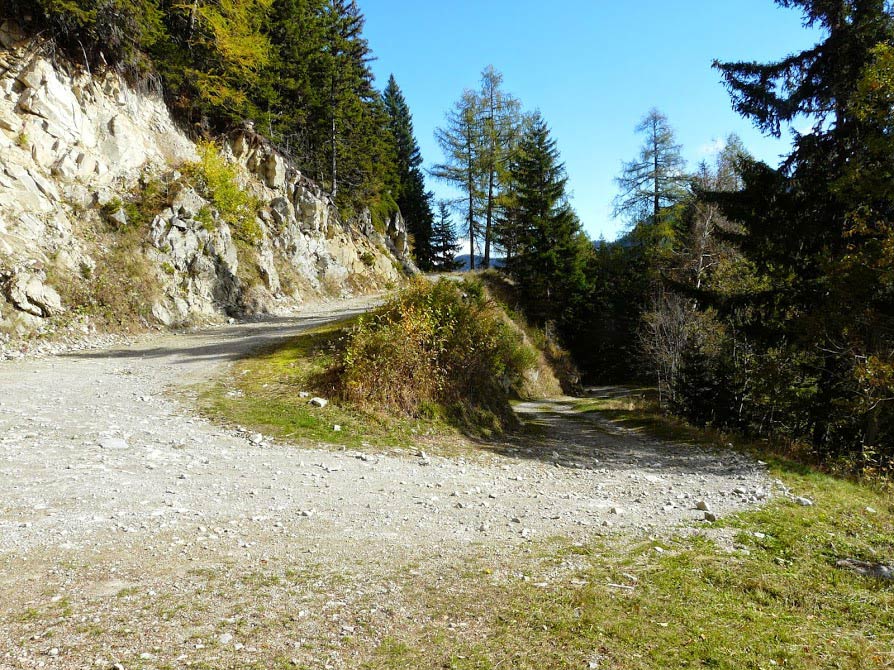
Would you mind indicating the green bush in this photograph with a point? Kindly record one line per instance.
(100, 31)
(443, 345)
(217, 181)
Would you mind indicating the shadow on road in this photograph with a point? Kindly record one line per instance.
(556, 432)
(224, 344)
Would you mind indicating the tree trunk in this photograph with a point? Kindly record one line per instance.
(471, 187)
(657, 202)
(490, 215)
(334, 161)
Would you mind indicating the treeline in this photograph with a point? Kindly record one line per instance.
(514, 203)
(758, 298)
(761, 298)
(297, 69)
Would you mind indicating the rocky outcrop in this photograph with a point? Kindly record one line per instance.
(76, 148)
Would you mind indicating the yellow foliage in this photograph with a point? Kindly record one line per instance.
(218, 182)
(236, 30)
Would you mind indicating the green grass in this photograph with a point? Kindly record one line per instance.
(637, 410)
(262, 393)
(777, 602)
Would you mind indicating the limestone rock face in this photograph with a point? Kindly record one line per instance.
(28, 293)
(75, 148)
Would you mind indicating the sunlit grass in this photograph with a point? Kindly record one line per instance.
(263, 393)
(775, 601)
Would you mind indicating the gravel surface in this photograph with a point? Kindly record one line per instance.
(109, 484)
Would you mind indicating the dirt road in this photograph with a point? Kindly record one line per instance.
(134, 532)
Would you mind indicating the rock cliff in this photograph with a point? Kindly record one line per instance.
(103, 222)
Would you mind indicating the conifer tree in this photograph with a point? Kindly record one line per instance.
(444, 242)
(551, 249)
(460, 140)
(815, 229)
(656, 178)
(413, 199)
(297, 31)
(499, 127)
(214, 61)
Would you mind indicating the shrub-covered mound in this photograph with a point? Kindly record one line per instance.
(437, 347)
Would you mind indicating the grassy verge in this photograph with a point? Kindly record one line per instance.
(774, 599)
(777, 602)
(638, 410)
(263, 393)
(439, 360)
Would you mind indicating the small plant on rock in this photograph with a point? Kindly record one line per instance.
(217, 181)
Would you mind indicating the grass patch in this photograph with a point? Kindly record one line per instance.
(262, 393)
(437, 363)
(638, 410)
(777, 602)
(556, 372)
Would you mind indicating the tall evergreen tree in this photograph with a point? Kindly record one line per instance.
(298, 33)
(656, 178)
(413, 199)
(552, 250)
(815, 229)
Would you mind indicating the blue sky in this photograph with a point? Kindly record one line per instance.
(592, 67)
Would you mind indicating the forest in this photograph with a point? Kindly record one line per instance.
(758, 298)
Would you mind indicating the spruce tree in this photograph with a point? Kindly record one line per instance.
(551, 249)
(816, 228)
(444, 242)
(412, 198)
(297, 31)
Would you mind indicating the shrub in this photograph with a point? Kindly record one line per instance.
(445, 344)
(100, 31)
(217, 181)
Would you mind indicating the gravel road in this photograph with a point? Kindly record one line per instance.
(111, 485)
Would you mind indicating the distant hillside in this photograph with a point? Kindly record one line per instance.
(463, 262)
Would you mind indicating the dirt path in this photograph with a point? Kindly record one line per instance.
(133, 532)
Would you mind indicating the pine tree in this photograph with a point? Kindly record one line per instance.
(815, 230)
(444, 242)
(413, 199)
(460, 140)
(656, 179)
(551, 248)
